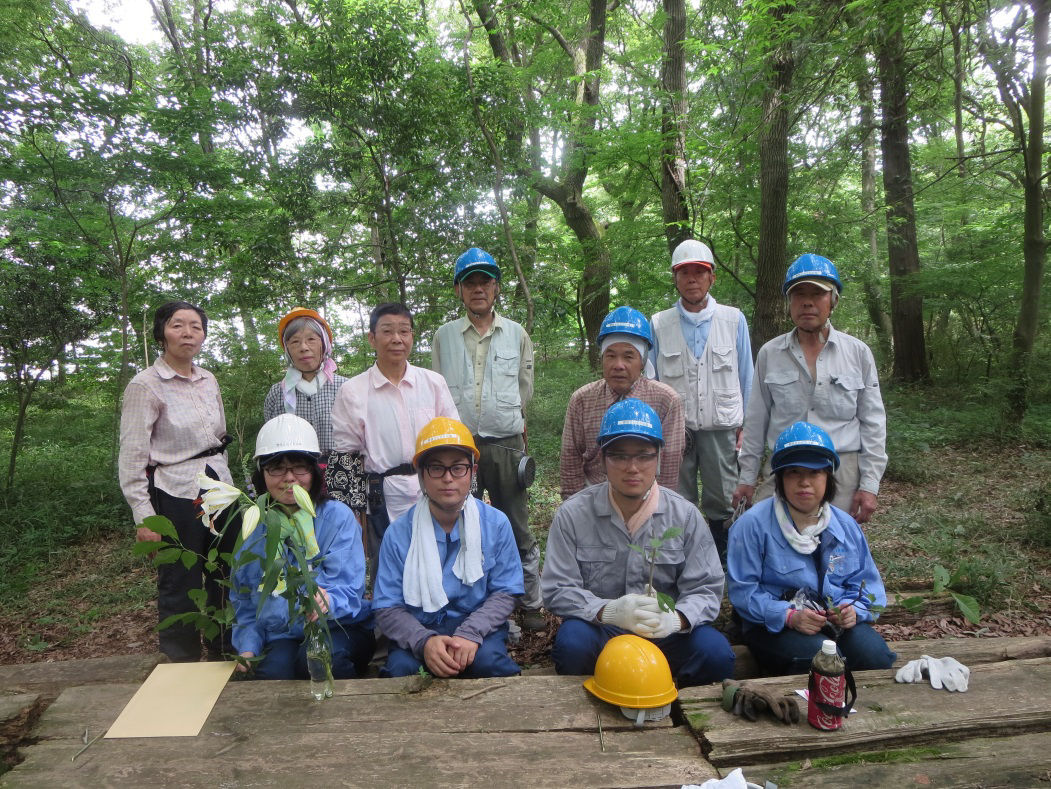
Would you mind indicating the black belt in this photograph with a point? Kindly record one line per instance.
(207, 453)
(404, 470)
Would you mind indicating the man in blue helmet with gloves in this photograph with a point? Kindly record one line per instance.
(817, 374)
(597, 576)
(703, 351)
(487, 360)
(624, 343)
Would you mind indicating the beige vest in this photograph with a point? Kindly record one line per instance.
(709, 387)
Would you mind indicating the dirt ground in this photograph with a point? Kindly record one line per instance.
(65, 622)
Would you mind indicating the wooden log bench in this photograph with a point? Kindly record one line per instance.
(925, 734)
(531, 731)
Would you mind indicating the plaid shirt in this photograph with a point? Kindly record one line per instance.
(166, 420)
(581, 461)
(316, 409)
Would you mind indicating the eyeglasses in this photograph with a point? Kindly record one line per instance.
(437, 470)
(298, 469)
(624, 460)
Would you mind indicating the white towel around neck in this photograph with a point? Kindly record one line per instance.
(421, 583)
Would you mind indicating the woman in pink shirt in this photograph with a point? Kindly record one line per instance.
(172, 428)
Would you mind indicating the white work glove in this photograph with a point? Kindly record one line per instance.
(944, 672)
(668, 623)
(632, 612)
(912, 671)
(948, 672)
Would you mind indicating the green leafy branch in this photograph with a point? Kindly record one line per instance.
(650, 552)
(943, 582)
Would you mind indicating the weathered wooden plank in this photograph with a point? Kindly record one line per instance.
(668, 757)
(540, 703)
(18, 713)
(989, 763)
(1007, 697)
(969, 651)
(50, 678)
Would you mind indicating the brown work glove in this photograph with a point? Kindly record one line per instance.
(750, 701)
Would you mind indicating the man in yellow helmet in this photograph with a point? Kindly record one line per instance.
(449, 571)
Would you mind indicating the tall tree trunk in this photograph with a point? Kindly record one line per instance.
(768, 320)
(870, 230)
(1034, 244)
(958, 77)
(567, 189)
(674, 202)
(910, 348)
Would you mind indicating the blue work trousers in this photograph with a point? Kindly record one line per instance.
(491, 659)
(286, 658)
(790, 652)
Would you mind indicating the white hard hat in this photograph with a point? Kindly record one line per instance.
(691, 251)
(287, 433)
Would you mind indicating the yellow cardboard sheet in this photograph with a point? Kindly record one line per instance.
(174, 701)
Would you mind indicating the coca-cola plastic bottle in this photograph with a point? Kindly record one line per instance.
(827, 689)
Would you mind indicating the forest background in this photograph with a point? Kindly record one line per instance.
(339, 153)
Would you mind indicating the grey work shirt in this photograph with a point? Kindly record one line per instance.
(588, 561)
(844, 399)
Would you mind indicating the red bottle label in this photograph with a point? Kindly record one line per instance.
(830, 691)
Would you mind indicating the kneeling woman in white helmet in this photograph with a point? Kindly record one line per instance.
(800, 570)
(449, 570)
(286, 454)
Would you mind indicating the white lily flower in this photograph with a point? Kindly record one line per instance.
(217, 497)
(303, 500)
(249, 521)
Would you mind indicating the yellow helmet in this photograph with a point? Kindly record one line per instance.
(632, 672)
(443, 432)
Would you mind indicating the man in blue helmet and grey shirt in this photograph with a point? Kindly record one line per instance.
(598, 578)
(702, 350)
(487, 360)
(819, 375)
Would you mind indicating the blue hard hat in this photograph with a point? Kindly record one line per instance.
(475, 259)
(811, 267)
(626, 320)
(806, 445)
(630, 418)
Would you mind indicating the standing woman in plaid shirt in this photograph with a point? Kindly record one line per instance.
(172, 428)
(309, 387)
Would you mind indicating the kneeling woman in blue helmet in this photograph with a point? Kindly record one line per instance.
(800, 570)
(286, 453)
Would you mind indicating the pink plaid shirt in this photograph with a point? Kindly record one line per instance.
(581, 461)
(166, 420)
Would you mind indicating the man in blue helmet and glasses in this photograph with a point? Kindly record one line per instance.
(599, 577)
(487, 360)
(819, 375)
(624, 343)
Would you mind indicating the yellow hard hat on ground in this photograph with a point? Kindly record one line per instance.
(301, 312)
(442, 432)
(632, 672)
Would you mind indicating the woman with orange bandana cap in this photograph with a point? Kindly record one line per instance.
(309, 387)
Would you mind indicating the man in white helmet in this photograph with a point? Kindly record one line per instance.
(703, 351)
